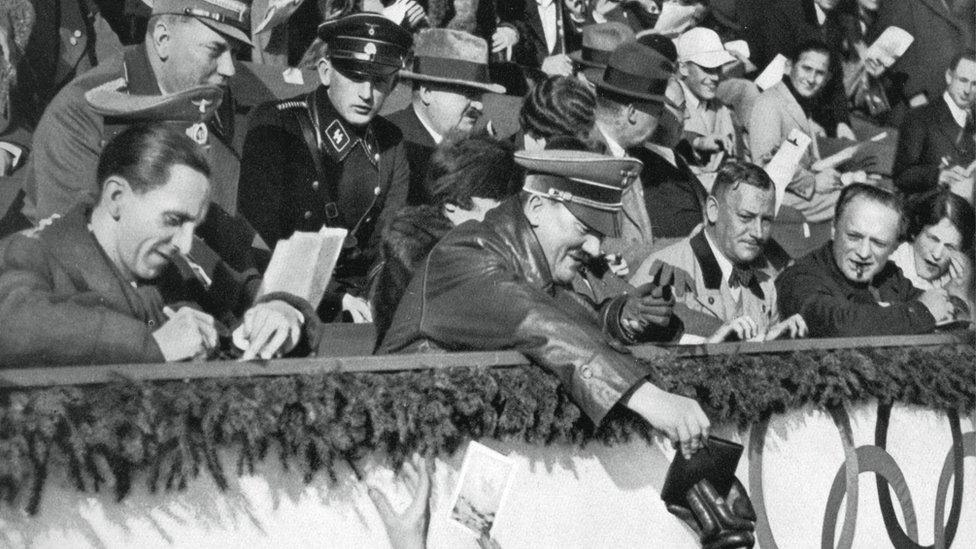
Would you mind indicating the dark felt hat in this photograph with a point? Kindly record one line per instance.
(454, 57)
(599, 41)
(228, 17)
(590, 185)
(635, 72)
(366, 44)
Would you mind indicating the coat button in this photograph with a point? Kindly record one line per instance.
(711, 301)
(315, 185)
(73, 41)
(77, 33)
(308, 215)
(585, 372)
(376, 157)
(151, 323)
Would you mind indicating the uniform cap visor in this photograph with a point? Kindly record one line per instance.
(605, 222)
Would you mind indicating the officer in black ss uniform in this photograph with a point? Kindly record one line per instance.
(326, 158)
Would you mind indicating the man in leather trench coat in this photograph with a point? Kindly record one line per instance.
(505, 283)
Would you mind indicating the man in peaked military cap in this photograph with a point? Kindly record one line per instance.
(188, 43)
(327, 159)
(513, 273)
(449, 72)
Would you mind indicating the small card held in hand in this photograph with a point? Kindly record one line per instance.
(716, 462)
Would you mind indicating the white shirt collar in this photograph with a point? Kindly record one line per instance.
(663, 152)
(959, 115)
(615, 148)
(436, 136)
(548, 18)
(692, 103)
(723, 264)
(821, 14)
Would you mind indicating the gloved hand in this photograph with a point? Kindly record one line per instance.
(721, 523)
(665, 274)
(649, 305)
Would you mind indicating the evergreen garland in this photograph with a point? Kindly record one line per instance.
(169, 432)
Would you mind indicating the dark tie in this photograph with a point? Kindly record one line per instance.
(741, 277)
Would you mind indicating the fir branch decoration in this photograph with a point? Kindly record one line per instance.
(167, 433)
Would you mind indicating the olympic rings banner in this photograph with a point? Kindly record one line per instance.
(858, 442)
(865, 476)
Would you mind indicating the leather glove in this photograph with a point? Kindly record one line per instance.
(665, 274)
(649, 305)
(720, 523)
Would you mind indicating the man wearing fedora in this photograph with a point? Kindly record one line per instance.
(327, 159)
(188, 43)
(514, 272)
(599, 41)
(629, 101)
(449, 75)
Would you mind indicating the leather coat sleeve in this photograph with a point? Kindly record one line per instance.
(474, 300)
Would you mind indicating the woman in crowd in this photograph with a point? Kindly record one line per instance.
(468, 176)
(557, 106)
(940, 241)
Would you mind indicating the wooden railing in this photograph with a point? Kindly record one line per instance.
(346, 348)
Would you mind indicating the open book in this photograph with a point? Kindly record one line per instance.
(302, 264)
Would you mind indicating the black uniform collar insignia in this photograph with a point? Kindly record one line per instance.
(336, 135)
(339, 139)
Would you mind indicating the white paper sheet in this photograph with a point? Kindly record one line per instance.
(675, 19)
(772, 74)
(278, 12)
(891, 45)
(739, 46)
(784, 163)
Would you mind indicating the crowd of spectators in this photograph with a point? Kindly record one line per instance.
(637, 201)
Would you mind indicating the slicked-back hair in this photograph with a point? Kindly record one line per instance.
(473, 166)
(933, 206)
(144, 154)
(558, 105)
(810, 44)
(868, 192)
(968, 53)
(735, 173)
